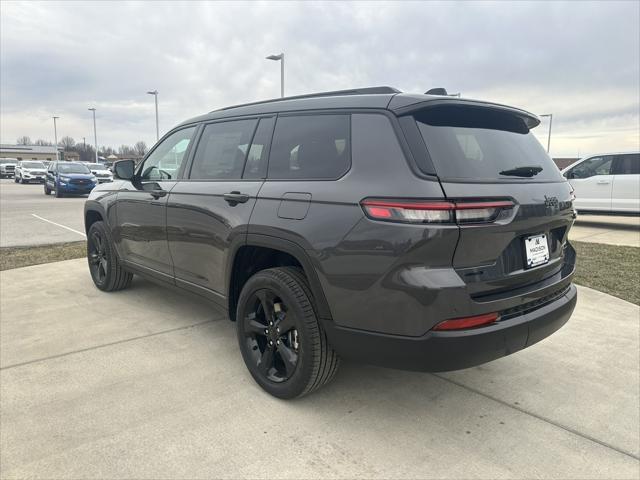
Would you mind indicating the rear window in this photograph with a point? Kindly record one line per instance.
(472, 143)
(310, 147)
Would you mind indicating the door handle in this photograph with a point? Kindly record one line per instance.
(603, 182)
(233, 198)
(157, 193)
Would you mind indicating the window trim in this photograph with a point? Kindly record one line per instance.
(345, 112)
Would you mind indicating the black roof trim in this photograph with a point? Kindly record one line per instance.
(336, 93)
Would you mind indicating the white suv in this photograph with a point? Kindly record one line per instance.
(8, 167)
(607, 183)
(29, 171)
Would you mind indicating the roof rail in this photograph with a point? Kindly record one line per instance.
(335, 93)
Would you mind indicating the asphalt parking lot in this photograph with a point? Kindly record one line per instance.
(29, 217)
(149, 383)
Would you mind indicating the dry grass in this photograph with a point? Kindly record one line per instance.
(611, 269)
(16, 257)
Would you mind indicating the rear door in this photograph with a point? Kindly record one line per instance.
(592, 181)
(208, 212)
(626, 183)
(485, 156)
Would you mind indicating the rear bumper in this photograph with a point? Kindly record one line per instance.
(442, 351)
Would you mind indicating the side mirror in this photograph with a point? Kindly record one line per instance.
(124, 169)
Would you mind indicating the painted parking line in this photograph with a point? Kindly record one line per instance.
(59, 225)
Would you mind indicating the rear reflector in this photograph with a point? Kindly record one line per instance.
(467, 322)
(434, 212)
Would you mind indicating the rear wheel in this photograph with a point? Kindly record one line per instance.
(281, 340)
(104, 265)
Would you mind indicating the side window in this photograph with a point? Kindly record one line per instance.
(222, 150)
(593, 166)
(164, 162)
(310, 147)
(627, 164)
(256, 166)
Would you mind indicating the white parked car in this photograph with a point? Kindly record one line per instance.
(8, 167)
(607, 183)
(102, 173)
(29, 171)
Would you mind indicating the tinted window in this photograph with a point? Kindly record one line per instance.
(164, 162)
(627, 164)
(256, 166)
(592, 166)
(310, 146)
(222, 150)
(483, 144)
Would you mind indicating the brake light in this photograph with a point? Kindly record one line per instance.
(435, 212)
(467, 322)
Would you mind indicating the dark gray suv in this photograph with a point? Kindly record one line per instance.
(420, 232)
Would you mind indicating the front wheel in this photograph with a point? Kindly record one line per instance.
(15, 179)
(281, 340)
(104, 265)
(47, 190)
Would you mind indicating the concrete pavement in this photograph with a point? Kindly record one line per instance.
(613, 230)
(149, 383)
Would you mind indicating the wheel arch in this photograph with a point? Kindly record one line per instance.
(278, 252)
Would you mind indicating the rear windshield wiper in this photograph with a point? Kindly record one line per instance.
(525, 171)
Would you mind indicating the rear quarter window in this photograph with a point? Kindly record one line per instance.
(475, 143)
(310, 147)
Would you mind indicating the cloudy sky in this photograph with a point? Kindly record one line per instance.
(580, 61)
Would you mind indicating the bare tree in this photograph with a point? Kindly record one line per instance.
(43, 143)
(105, 151)
(24, 140)
(140, 148)
(67, 143)
(126, 150)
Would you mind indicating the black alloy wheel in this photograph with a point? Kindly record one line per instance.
(98, 261)
(283, 344)
(271, 337)
(104, 265)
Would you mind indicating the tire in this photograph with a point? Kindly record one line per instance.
(47, 190)
(15, 179)
(104, 265)
(59, 194)
(298, 334)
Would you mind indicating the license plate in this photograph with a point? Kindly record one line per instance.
(537, 250)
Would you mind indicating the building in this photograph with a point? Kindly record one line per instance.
(28, 152)
(71, 156)
(564, 162)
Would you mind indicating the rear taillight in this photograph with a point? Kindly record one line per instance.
(407, 211)
(467, 322)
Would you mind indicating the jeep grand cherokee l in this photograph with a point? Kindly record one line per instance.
(418, 232)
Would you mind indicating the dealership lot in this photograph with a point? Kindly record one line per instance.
(149, 383)
(27, 214)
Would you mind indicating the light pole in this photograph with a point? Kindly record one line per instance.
(55, 136)
(95, 135)
(281, 58)
(550, 115)
(155, 94)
